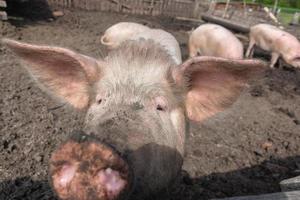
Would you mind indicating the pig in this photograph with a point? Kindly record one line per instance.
(121, 32)
(138, 102)
(278, 42)
(215, 40)
(118, 33)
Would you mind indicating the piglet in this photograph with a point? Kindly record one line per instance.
(278, 42)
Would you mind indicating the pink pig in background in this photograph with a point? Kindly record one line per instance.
(215, 40)
(120, 32)
(278, 42)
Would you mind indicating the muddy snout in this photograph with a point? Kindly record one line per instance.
(84, 168)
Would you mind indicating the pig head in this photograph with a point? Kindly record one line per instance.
(292, 55)
(138, 103)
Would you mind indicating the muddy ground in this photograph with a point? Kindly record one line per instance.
(245, 150)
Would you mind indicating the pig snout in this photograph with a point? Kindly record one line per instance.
(83, 168)
(138, 136)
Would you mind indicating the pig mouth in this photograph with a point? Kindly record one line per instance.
(87, 169)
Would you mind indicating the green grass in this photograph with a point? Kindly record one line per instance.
(290, 4)
(283, 4)
(289, 10)
(285, 18)
(286, 9)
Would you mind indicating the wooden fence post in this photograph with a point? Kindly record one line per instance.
(226, 8)
(3, 15)
(196, 13)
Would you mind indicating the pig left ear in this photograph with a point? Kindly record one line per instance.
(62, 72)
(213, 84)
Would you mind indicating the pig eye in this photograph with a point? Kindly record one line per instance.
(161, 104)
(99, 101)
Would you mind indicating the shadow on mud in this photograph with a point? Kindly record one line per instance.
(246, 181)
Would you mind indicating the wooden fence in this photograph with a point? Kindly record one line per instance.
(172, 8)
(3, 15)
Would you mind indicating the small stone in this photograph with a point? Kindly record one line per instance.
(37, 158)
(286, 144)
(57, 13)
(267, 145)
(258, 152)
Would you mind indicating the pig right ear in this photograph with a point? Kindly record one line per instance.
(213, 84)
(62, 72)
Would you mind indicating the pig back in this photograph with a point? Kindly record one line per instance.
(271, 38)
(121, 32)
(165, 39)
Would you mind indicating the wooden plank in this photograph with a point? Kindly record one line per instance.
(226, 23)
(196, 9)
(189, 19)
(295, 195)
(3, 4)
(290, 184)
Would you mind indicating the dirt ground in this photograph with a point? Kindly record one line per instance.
(245, 150)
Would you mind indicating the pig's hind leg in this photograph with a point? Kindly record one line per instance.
(274, 59)
(250, 50)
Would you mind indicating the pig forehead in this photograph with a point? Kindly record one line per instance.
(137, 64)
(137, 83)
(136, 73)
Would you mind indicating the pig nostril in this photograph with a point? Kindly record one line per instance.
(99, 101)
(160, 108)
(161, 103)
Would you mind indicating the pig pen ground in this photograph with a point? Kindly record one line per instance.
(248, 149)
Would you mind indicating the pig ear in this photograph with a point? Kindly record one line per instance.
(213, 84)
(66, 74)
